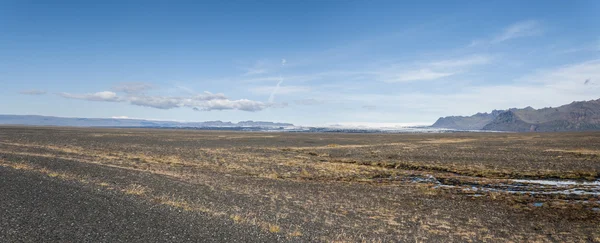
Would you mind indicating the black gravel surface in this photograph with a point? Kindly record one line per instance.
(133, 185)
(36, 208)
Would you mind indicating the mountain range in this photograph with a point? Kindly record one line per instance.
(35, 120)
(577, 116)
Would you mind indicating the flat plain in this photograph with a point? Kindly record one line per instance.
(330, 187)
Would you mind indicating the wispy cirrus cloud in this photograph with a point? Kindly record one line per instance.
(462, 62)
(32, 92)
(577, 49)
(416, 75)
(132, 87)
(391, 73)
(545, 87)
(309, 101)
(519, 29)
(306, 76)
(265, 90)
(566, 76)
(275, 89)
(432, 70)
(254, 71)
(260, 67)
(526, 28)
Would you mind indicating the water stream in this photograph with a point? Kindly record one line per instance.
(544, 187)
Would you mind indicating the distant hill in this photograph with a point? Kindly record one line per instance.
(118, 122)
(577, 116)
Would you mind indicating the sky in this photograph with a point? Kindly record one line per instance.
(303, 62)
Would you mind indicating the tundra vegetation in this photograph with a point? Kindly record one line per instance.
(337, 187)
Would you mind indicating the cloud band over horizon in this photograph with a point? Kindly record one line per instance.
(201, 102)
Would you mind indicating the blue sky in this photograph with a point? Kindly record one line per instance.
(304, 62)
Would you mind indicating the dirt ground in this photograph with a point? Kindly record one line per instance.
(333, 187)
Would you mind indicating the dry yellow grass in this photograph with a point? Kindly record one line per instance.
(295, 233)
(179, 204)
(575, 151)
(45, 171)
(20, 166)
(427, 189)
(135, 189)
(338, 146)
(274, 228)
(236, 218)
(448, 140)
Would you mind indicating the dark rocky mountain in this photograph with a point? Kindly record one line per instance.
(474, 122)
(117, 122)
(577, 116)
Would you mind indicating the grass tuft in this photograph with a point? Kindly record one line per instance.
(135, 189)
(274, 228)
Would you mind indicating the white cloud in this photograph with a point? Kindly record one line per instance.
(243, 104)
(99, 96)
(201, 102)
(158, 102)
(519, 29)
(210, 96)
(550, 87)
(32, 92)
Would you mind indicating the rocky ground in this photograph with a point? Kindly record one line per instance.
(67, 184)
